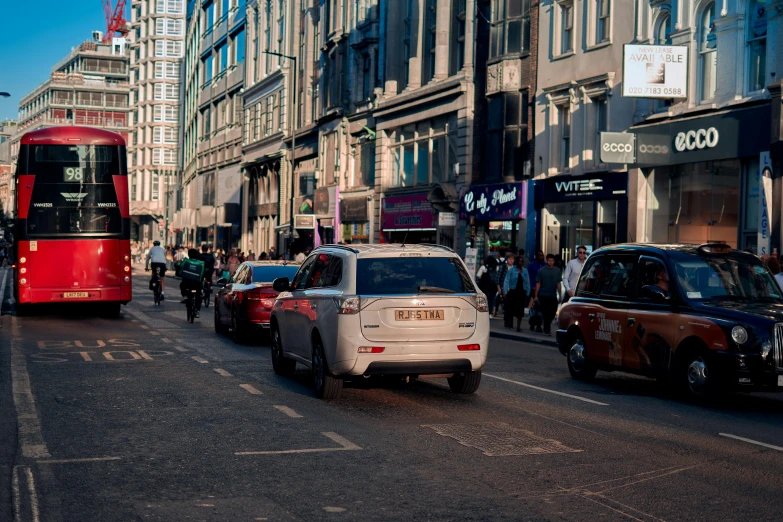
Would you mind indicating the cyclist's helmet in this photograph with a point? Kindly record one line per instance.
(156, 243)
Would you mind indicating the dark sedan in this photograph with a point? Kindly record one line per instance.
(244, 302)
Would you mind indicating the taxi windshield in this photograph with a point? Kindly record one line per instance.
(725, 278)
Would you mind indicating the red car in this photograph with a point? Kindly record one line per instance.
(244, 302)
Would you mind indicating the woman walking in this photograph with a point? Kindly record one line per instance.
(486, 277)
(516, 288)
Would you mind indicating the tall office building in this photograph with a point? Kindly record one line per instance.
(156, 50)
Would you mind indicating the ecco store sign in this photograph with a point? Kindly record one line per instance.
(697, 139)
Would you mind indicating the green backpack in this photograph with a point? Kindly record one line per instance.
(192, 270)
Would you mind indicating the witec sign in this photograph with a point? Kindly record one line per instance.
(655, 71)
(765, 199)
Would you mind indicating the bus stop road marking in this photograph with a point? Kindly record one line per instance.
(76, 461)
(345, 445)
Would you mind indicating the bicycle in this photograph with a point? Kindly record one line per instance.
(190, 305)
(155, 286)
(206, 292)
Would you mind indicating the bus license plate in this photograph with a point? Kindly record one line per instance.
(419, 315)
(75, 295)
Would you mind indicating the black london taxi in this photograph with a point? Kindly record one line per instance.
(705, 318)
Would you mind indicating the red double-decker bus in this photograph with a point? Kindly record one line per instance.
(72, 218)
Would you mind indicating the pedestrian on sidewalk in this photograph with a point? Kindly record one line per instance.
(516, 287)
(572, 272)
(538, 263)
(502, 272)
(548, 283)
(486, 277)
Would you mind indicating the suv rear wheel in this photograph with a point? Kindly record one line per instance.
(579, 366)
(465, 383)
(326, 386)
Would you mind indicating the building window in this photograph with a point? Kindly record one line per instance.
(239, 47)
(281, 32)
(160, 48)
(602, 21)
(459, 10)
(172, 71)
(430, 39)
(510, 27)
(367, 83)
(663, 31)
(160, 26)
(507, 135)
(270, 113)
(564, 119)
(174, 27)
(406, 41)
(268, 34)
(174, 49)
(160, 70)
(423, 153)
(159, 92)
(757, 45)
(364, 165)
(157, 113)
(601, 125)
(155, 186)
(708, 53)
(566, 11)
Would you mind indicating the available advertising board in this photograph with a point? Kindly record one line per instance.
(655, 71)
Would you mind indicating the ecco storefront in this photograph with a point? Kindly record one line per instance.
(700, 178)
(589, 210)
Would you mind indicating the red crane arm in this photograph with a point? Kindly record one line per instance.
(115, 19)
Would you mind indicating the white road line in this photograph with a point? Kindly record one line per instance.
(545, 390)
(199, 359)
(751, 441)
(29, 427)
(33, 495)
(250, 389)
(165, 340)
(180, 349)
(345, 445)
(2, 286)
(288, 411)
(144, 326)
(224, 373)
(76, 461)
(17, 494)
(153, 332)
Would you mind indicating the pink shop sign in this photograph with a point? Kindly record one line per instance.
(409, 213)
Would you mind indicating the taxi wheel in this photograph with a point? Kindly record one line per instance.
(697, 376)
(579, 366)
(280, 364)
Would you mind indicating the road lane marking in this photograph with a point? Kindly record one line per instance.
(33, 495)
(153, 332)
(250, 389)
(35, 513)
(165, 340)
(180, 349)
(76, 461)
(345, 445)
(2, 287)
(578, 398)
(17, 494)
(751, 441)
(199, 359)
(29, 426)
(288, 411)
(144, 326)
(224, 373)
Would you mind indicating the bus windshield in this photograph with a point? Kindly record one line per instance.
(74, 190)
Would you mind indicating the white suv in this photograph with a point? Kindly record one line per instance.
(399, 310)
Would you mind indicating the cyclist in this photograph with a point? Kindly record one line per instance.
(192, 273)
(157, 255)
(209, 266)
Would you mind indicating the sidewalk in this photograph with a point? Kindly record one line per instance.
(496, 329)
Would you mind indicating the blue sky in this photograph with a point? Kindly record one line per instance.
(34, 35)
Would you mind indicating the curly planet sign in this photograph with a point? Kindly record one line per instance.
(495, 202)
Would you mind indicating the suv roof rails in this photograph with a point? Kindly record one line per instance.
(442, 247)
(342, 247)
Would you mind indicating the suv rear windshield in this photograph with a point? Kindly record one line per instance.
(412, 275)
(725, 278)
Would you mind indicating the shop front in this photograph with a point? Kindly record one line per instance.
(589, 210)
(701, 178)
(354, 220)
(410, 219)
(492, 214)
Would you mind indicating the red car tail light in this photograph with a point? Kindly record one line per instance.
(469, 347)
(371, 349)
(261, 294)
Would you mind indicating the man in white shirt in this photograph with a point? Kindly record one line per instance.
(572, 271)
(156, 258)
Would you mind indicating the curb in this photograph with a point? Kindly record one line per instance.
(523, 339)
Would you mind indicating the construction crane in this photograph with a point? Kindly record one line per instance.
(115, 20)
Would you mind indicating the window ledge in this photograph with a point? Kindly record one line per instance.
(563, 56)
(598, 46)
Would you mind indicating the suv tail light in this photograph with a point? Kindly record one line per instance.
(468, 347)
(348, 305)
(480, 302)
(371, 349)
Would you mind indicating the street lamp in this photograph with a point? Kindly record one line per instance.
(293, 151)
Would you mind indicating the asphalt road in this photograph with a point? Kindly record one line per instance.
(149, 418)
